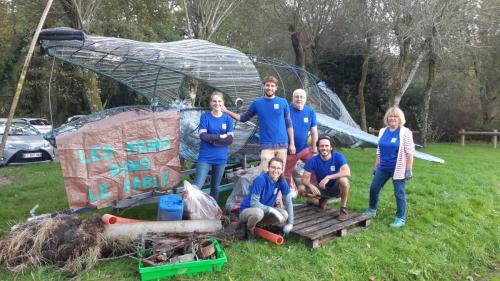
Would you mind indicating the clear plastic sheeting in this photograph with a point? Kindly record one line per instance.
(343, 133)
(157, 70)
(190, 142)
(241, 189)
(329, 103)
(189, 123)
(80, 122)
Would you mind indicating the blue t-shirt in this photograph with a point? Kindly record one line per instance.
(302, 121)
(214, 125)
(271, 114)
(388, 145)
(325, 168)
(268, 190)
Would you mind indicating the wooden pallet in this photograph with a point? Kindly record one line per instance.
(319, 226)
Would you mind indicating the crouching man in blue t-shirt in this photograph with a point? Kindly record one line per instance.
(332, 172)
(257, 207)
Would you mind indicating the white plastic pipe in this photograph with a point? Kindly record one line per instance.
(134, 230)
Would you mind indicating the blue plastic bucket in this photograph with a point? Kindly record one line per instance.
(170, 207)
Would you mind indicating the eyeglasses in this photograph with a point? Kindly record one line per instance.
(275, 167)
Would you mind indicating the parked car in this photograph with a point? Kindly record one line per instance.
(25, 144)
(42, 125)
(3, 121)
(74, 118)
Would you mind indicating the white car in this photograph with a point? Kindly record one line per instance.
(3, 121)
(25, 145)
(42, 125)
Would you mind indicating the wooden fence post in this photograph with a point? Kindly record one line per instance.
(494, 138)
(462, 137)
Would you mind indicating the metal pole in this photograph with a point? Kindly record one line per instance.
(22, 77)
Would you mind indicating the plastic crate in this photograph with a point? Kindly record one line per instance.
(193, 267)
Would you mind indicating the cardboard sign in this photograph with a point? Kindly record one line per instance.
(119, 156)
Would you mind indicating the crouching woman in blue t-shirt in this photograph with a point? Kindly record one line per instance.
(258, 206)
(216, 133)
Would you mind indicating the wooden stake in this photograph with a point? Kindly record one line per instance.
(22, 77)
(494, 138)
(462, 137)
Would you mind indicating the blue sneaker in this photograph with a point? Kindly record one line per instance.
(370, 213)
(397, 223)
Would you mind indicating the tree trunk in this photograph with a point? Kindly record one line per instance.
(92, 92)
(298, 49)
(362, 83)
(489, 110)
(403, 60)
(193, 89)
(431, 76)
(404, 87)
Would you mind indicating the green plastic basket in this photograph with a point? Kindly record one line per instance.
(193, 267)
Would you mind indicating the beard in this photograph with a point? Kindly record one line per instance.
(269, 94)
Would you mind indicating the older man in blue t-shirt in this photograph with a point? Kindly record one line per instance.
(303, 121)
(332, 172)
(275, 125)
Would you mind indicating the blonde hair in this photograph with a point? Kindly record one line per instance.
(217, 93)
(394, 110)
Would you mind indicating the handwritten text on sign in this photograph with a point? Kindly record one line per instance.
(132, 155)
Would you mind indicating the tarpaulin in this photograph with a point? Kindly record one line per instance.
(120, 156)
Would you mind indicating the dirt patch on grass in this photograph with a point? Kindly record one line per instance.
(5, 181)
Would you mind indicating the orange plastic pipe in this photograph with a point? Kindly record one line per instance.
(111, 219)
(269, 236)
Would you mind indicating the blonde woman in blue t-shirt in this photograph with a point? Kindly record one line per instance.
(216, 133)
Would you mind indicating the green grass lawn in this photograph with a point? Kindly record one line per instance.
(452, 230)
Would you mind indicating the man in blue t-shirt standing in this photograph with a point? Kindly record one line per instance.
(332, 172)
(303, 121)
(275, 125)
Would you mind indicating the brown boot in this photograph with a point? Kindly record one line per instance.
(344, 215)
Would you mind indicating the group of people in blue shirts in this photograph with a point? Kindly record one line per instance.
(284, 131)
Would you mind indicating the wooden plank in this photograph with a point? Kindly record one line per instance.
(316, 243)
(309, 231)
(331, 222)
(314, 212)
(327, 222)
(315, 215)
(354, 220)
(316, 220)
(319, 226)
(298, 207)
(303, 212)
(479, 133)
